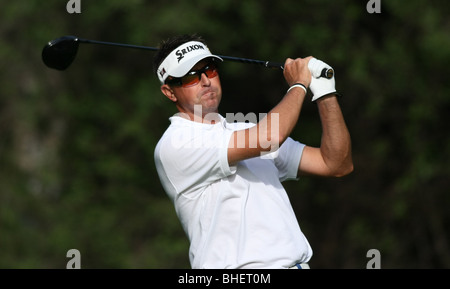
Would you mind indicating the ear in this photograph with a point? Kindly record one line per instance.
(168, 92)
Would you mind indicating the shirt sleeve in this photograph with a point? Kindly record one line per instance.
(190, 159)
(287, 159)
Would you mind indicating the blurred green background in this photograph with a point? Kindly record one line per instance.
(76, 147)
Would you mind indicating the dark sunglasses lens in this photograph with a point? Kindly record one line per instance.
(211, 71)
(189, 80)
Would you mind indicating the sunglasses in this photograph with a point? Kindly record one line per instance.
(193, 77)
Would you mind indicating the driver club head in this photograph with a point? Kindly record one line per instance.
(60, 53)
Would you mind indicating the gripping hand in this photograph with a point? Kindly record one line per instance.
(320, 86)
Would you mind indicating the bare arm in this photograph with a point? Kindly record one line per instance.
(276, 126)
(334, 157)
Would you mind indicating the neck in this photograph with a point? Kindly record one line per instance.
(200, 115)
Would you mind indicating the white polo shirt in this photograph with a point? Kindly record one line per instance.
(234, 216)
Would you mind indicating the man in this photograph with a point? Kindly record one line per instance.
(225, 178)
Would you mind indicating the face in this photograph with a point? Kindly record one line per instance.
(207, 93)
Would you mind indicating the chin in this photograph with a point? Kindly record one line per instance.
(210, 100)
(210, 109)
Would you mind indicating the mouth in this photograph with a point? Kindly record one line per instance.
(208, 93)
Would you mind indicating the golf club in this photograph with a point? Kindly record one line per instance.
(60, 53)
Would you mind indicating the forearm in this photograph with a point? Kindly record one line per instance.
(270, 132)
(285, 115)
(335, 145)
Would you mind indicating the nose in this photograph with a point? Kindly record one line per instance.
(205, 80)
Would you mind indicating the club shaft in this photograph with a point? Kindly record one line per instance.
(268, 64)
(83, 40)
(326, 72)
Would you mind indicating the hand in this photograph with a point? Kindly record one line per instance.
(296, 71)
(320, 86)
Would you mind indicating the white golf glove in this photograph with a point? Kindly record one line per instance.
(320, 86)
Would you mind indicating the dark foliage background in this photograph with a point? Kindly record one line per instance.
(76, 147)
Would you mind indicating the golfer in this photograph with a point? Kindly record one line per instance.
(225, 178)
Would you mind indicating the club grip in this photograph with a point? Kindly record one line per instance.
(271, 64)
(326, 72)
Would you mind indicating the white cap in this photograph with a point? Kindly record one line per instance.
(182, 59)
